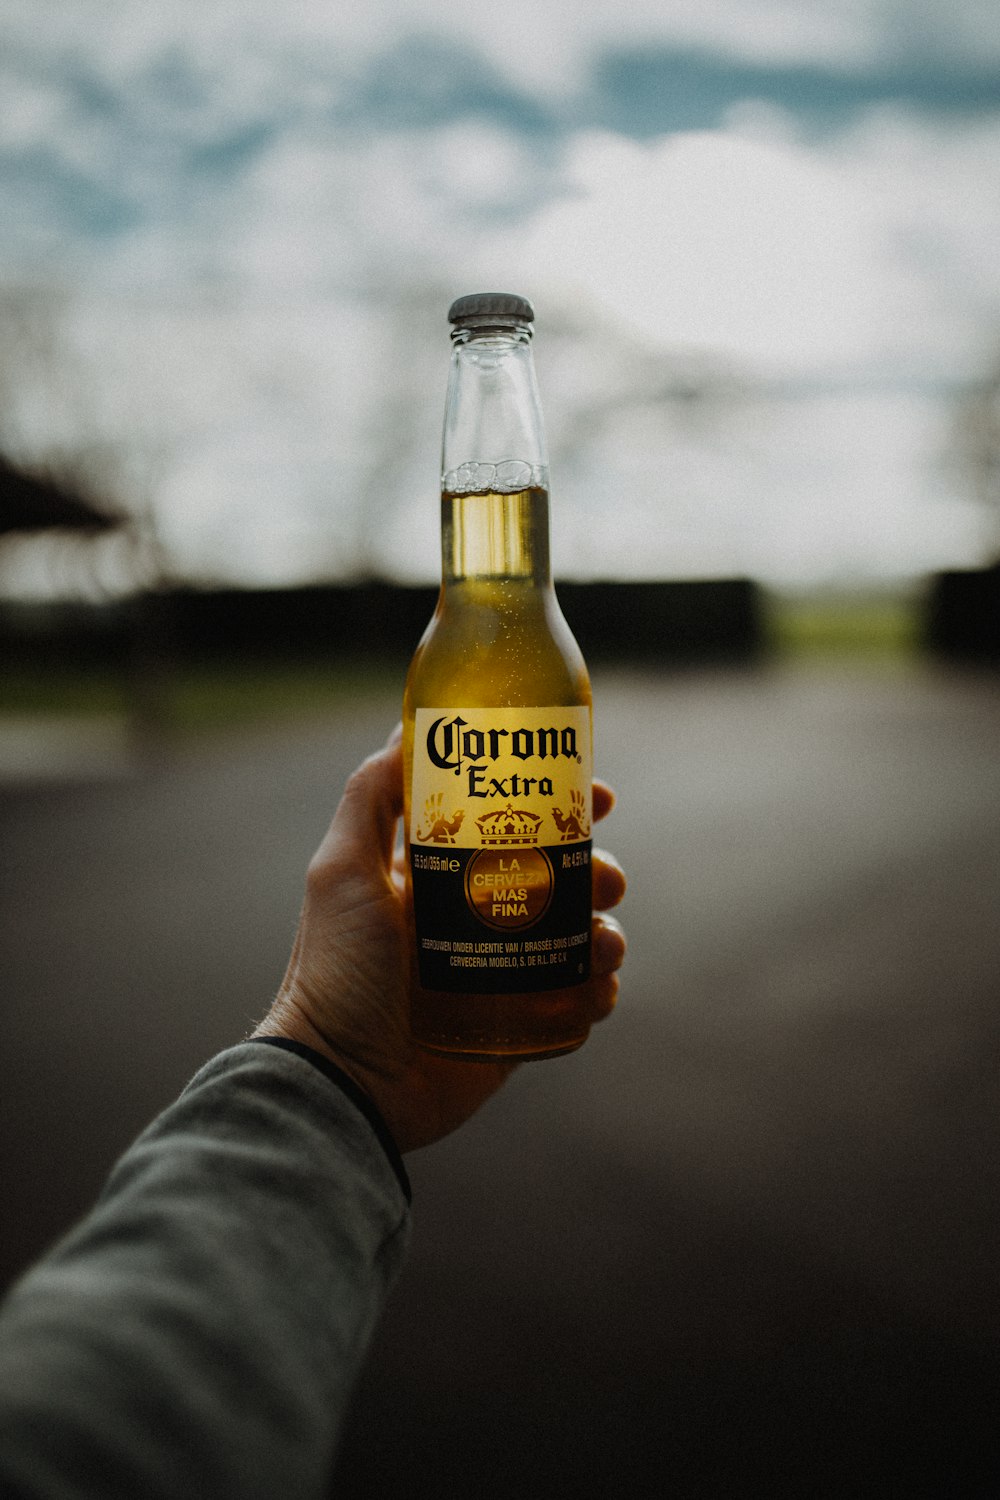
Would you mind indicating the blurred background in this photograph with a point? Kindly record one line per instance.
(746, 1238)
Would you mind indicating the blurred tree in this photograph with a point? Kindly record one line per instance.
(403, 437)
(35, 502)
(65, 481)
(977, 441)
(75, 504)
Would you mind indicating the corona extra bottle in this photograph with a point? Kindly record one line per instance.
(497, 728)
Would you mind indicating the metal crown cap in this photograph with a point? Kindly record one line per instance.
(504, 305)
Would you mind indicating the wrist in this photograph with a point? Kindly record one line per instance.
(360, 1097)
(288, 1021)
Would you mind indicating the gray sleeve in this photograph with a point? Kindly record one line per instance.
(199, 1333)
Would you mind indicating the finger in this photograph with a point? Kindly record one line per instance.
(608, 880)
(604, 800)
(607, 945)
(603, 996)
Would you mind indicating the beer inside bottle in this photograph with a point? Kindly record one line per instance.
(497, 729)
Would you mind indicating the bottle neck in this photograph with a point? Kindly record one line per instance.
(496, 537)
(494, 506)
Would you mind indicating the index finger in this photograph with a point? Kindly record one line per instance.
(604, 800)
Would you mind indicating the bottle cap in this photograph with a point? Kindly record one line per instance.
(481, 306)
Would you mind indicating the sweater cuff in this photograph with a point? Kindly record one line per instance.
(346, 1084)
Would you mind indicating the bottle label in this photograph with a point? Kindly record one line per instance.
(499, 843)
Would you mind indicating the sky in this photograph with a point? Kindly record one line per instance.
(760, 239)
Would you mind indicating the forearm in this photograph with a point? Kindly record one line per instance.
(199, 1333)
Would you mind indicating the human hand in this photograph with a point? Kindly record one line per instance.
(346, 992)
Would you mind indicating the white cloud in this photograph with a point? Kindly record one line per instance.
(547, 43)
(873, 255)
(224, 323)
(477, 164)
(759, 251)
(936, 190)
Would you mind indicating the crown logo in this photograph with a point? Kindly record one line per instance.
(509, 825)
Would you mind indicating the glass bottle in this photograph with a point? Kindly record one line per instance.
(497, 728)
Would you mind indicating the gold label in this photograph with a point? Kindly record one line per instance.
(501, 777)
(499, 841)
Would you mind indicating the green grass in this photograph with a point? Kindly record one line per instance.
(860, 628)
(190, 700)
(217, 697)
(59, 690)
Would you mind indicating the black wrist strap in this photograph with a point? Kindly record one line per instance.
(357, 1096)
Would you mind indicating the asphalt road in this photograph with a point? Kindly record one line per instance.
(745, 1241)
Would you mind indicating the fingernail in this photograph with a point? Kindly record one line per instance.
(608, 942)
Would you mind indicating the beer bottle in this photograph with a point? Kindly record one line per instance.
(497, 728)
